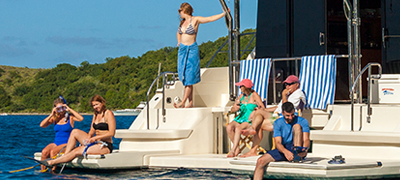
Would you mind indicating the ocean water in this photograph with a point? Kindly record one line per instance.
(21, 135)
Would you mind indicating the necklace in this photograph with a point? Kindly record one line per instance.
(248, 97)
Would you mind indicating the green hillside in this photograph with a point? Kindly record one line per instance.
(123, 81)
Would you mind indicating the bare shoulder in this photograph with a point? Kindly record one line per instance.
(196, 19)
(256, 94)
(109, 113)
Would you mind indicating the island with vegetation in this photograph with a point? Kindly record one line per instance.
(123, 81)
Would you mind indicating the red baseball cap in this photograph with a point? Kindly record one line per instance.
(245, 82)
(291, 79)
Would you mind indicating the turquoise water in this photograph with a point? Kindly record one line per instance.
(22, 136)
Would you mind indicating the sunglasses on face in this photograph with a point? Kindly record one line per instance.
(288, 84)
(179, 10)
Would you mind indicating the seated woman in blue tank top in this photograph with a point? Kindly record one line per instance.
(246, 104)
(63, 125)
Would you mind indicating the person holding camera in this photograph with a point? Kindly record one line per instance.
(63, 118)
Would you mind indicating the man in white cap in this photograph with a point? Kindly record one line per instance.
(265, 118)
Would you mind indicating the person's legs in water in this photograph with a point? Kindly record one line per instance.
(46, 153)
(262, 162)
(57, 150)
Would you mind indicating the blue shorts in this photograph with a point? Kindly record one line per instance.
(277, 155)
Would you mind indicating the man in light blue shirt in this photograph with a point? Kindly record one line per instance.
(292, 140)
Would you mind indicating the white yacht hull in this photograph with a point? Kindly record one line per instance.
(196, 138)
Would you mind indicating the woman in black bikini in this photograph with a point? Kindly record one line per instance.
(103, 125)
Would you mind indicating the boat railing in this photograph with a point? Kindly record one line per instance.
(370, 77)
(246, 49)
(165, 82)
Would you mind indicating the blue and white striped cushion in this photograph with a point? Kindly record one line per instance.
(257, 70)
(318, 80)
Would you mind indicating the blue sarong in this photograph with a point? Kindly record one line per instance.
(189, 64)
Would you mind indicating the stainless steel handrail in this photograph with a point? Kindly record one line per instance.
(229, 24)
(347, 9)
(163, 74)
(226, 42)
(368, 66)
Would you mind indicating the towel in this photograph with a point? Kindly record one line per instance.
(189, 64)
(318, 80)
(257, 70)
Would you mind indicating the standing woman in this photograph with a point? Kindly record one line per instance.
(188, 54)
(63, 125)
(97, 141)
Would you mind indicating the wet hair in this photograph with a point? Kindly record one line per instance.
(287, 107)
(187, 9)
(58, 101)
(100, 99)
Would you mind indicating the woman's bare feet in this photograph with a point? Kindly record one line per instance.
(248, 131)
(234, 154)
(190, 105)
(237, 152)
(179, 105)
(249, 154)
(230, 154)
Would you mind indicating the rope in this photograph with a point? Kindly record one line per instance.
(23, 169)
(54, 157)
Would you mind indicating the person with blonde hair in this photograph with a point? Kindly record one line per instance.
(97, 141)
(63, 118)
(188, 53)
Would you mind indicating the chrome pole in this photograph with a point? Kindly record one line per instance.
(357, 47)
(237, 41)
(229, 24)
(347, 8)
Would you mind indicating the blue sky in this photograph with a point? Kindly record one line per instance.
(44, 33)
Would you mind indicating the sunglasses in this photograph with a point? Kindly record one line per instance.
(288, 84)
(179, 10)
